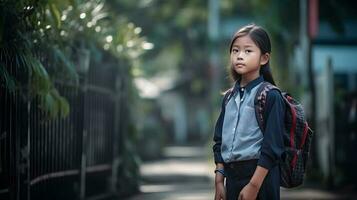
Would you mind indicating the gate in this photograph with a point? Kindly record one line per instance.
(76, 157)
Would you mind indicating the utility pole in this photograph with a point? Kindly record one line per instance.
(307, 71)
(213, 35)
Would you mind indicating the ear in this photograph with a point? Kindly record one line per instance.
(264, 58)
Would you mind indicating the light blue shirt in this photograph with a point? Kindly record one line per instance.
(241, 135)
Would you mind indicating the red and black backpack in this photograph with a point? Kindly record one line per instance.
(297, 136)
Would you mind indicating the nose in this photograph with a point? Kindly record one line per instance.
(239, 56)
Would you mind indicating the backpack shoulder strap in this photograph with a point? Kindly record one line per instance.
(260, 102)
(227, 95)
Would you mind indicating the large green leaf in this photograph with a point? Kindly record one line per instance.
(46, 102)
(64, 107)
(41, 83)
(55, 14)
(5, 77)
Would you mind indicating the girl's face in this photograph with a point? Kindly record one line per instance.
(246, 57)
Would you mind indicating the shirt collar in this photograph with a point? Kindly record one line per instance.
(250, 85)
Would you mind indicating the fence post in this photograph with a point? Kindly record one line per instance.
(28, 150)
(83, 166)
(22, 147)
(116, 132)
(82, 130)
(83, 64)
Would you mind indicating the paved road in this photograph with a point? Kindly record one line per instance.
(186, 174)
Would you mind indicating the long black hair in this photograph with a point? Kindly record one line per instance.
(261, 38)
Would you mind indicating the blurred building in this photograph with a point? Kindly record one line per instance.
(334, 64)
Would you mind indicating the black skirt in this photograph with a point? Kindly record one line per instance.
(238, 175)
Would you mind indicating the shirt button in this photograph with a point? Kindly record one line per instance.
(242, 89)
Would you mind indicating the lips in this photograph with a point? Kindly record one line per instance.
(239, 65)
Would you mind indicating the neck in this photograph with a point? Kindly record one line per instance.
(246, 78)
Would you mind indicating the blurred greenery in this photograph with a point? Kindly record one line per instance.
(44, 40)
(178, 30)
(28, 28)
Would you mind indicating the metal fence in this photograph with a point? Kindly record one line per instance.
(66, 158)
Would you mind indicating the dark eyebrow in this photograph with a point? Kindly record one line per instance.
(244, 46)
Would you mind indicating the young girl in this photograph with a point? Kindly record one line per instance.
(247, 158)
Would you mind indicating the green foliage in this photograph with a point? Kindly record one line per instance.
(8, 80)
(45, 41)
(20, 49)
(43, 38)
(178, 30)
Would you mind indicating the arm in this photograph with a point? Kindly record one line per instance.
(273, 143)
(220, 191)
(272, 146)
(219, 177)
(217, 138)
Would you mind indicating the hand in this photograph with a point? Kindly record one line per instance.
(249, 192)
(220, 193)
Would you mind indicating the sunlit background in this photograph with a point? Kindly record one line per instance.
(117, 99)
